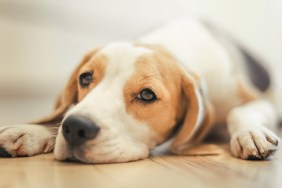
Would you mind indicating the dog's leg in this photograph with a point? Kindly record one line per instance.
(249, 126)
(26, 140)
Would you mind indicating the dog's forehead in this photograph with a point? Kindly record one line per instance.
(120, 61)
(121, 56)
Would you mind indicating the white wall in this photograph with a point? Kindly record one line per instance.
(41, 41)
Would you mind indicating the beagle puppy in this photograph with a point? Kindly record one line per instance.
(175, 83)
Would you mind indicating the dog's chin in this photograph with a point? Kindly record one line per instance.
(92, 156)
(115, 156)
(101, 153)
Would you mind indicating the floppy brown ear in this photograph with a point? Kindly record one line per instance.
(68, 96)
(198, 118)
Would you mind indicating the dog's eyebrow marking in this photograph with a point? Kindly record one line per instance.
(149, 76)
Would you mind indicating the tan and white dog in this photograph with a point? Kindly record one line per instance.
(177, 82)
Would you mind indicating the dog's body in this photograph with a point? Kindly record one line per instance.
(130, 98)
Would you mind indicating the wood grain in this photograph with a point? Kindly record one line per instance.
(166, 171)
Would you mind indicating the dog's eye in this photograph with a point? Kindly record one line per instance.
(147, 95)
(85, 79)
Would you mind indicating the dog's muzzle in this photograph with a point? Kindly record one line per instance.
(79, 129)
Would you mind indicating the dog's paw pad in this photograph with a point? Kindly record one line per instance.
(254, 144)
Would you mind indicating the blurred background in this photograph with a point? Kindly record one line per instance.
(42, 41)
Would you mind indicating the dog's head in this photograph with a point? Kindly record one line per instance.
(123, 100)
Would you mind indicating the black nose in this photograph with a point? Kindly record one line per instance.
(78, 129)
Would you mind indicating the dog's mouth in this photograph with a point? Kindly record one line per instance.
(109, 152)
(92, 154)
(101, 150)
(87, 157)
(76, 157)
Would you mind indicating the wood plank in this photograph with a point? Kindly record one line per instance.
(211, 166)
(159, 171)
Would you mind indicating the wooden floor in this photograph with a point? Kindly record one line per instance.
(220, 170)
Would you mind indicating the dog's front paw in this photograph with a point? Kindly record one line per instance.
(254, 144)
(25, 140)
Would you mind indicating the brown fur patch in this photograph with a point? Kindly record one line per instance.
(177, 101)
(97, 65)
(159, 73)
(193, 131)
